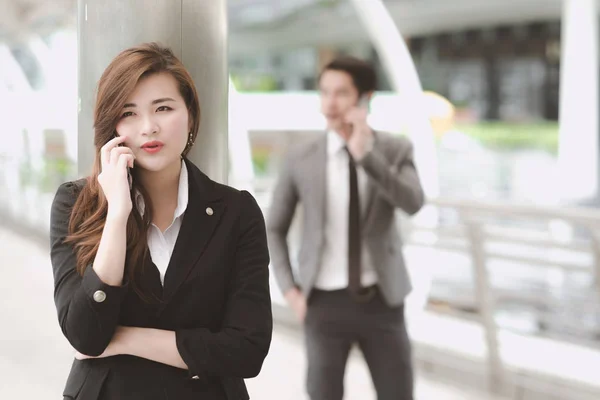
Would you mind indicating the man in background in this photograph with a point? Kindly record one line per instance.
(352, 279)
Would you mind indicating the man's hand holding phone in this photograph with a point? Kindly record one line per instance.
(361, 139)
(113, 178)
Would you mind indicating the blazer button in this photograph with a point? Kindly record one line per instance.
(99, 296)
(209, 211)
(195, 377)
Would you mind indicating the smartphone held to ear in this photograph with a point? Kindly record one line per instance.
(129, 178)
(363, 102)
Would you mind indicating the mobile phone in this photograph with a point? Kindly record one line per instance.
(363, 102)
(129, 178)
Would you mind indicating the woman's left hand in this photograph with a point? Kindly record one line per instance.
(115, 347)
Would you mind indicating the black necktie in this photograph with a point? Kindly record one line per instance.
(354, 242)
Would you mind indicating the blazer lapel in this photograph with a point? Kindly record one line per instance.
(150, 278)
(317, 173)
(370, 189)
(201, 218)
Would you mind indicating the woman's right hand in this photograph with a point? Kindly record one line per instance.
(113, 177)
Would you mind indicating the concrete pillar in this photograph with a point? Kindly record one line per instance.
(197, 33)
(578, 113)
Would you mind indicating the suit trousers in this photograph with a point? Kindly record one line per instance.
(335, 322)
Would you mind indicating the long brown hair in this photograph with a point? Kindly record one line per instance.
(114, 88)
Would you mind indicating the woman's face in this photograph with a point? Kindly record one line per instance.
(155, 122)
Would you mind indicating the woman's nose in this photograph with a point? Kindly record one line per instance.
(149, 126)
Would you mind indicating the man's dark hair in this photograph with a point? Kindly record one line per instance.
(363, 74)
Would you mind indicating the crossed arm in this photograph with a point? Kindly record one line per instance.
(153, 344)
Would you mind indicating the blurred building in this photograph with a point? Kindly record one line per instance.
(493, 59)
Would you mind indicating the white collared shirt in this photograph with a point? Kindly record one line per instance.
(333, 274)
(161, 244)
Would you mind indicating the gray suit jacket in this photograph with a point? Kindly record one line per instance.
(392, 183)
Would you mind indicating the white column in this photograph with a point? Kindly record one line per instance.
(578, 116)
(403, 76)
(204, 54)
(240, 151)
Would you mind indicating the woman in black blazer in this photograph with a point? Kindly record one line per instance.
(161, 274)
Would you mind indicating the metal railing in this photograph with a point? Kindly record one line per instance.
(547, 238)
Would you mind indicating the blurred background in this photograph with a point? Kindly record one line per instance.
(500, 98)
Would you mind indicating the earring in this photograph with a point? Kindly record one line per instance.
(189, 144)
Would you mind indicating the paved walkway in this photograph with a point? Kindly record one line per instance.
(35, 358)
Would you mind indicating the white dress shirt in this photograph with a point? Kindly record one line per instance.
(333, 274)
(161, 244)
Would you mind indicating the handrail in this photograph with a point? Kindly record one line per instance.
(580, 215)
(478, 225)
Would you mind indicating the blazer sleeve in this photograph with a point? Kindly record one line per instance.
(88, 309)
(396, 177)
(240, 347)
(281, 212)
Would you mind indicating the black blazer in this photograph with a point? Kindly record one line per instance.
(216, 298)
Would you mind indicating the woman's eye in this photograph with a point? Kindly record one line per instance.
(127, 114)
(163, 108)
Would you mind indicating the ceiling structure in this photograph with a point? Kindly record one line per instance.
(21, 18)
(260, 24)
(336, 23)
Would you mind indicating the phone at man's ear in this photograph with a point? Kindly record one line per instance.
(363, 102)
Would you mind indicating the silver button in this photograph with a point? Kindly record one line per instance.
(195, 377)
(99, 296)
(209, 211)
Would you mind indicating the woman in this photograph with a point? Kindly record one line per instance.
(161, 274)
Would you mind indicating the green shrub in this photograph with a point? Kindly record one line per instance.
(510, 136)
